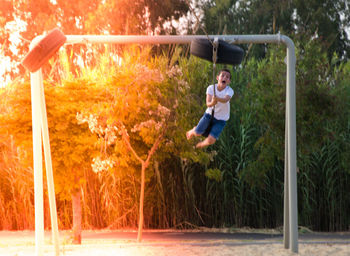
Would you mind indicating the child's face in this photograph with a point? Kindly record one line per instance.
(224, 78)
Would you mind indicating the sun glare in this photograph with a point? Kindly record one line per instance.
(14, 27)
(5, 66)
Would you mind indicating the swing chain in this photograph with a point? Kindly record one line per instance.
(215, 44)
(215, 50)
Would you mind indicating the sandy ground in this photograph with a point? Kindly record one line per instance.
(182, 249)
(22, 244)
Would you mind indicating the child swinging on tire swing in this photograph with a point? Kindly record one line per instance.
(217, 113)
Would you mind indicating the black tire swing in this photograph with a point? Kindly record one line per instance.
(44, 50)
(217, 51)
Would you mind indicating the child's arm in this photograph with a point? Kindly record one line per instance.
(211, 101)
(224, 99)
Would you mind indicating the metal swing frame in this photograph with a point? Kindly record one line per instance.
(41, 133)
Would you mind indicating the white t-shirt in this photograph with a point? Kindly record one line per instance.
(222, 110)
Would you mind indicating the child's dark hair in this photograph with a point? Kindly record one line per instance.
(225, 70)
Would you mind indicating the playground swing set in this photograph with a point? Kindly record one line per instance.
(214, 48)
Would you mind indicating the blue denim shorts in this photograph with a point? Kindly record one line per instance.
(217, 126)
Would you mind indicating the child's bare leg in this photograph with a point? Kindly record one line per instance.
(210, 140)
(191, 133)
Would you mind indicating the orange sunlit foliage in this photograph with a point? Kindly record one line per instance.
(16, 188)
(22, 20)
(139, 124)
(107, 122)
(138, 95)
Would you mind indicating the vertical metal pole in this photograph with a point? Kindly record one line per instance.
(49, 171)
(286, 227)
(292, 176)
(36, 80)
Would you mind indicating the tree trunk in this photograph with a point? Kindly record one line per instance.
(76, 205)
(142, 196)
(144, 165)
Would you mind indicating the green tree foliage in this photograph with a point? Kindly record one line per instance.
(253, 152)
(317, 104)
(247, 17)
(326, 20)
